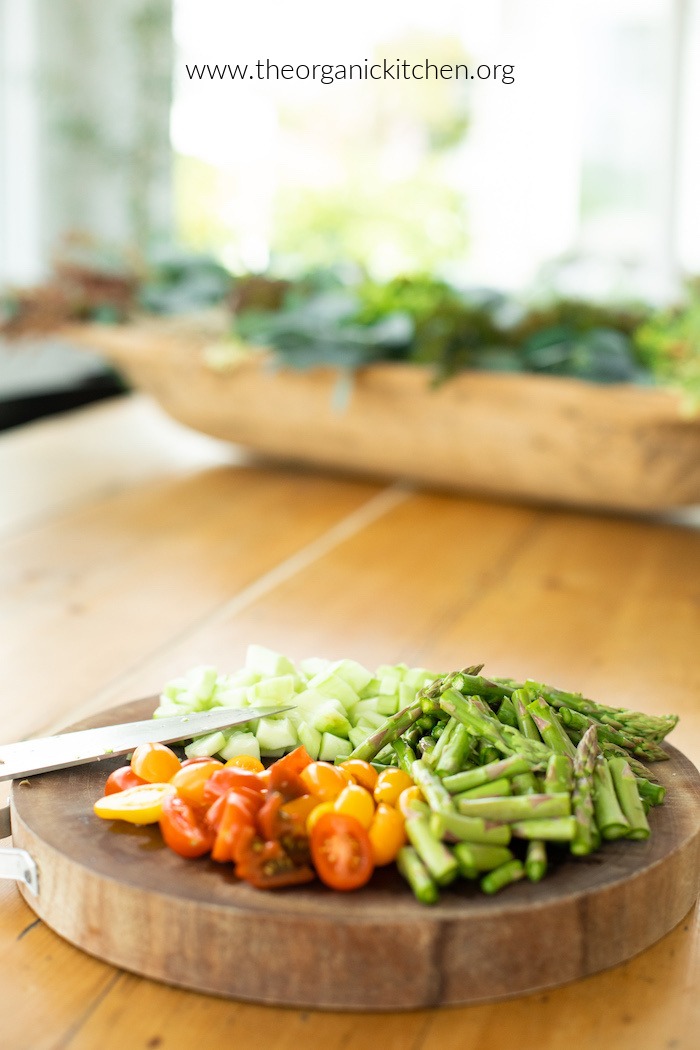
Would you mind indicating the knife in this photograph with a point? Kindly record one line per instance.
(88, 745)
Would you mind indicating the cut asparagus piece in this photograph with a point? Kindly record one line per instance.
(612, 822)
(630, 801)
(511, 871)
(474, 858)
(517, 807)
(469, 829)
(471, 778)
(417, 875)
(438, 859)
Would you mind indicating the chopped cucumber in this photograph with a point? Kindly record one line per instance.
(310, 738)
(356, 676)
(274, 734)
(327, 719)
(330, 685)
(267, 662)
(276, 691)
(206, 746)
(333, 748)
(240, 744)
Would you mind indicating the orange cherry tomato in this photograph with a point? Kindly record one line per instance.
(121, 779)
(323, 780)
(155, 763)
(191, 780)
(356, 802)
(299, 809)
(341, 851)
(184, 828)
(362, 773)
(249, 762)
(387, 834)
(390, 784)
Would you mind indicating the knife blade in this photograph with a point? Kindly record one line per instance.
(42, 754)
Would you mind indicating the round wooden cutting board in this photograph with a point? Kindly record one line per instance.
(118, 893)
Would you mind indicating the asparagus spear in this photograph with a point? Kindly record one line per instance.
(474, 858)
(436, 795)
(652, 794)
(525, 784)
(417, 875)
(494, 788)
(517, 807)
(453, 826)
(526, 725)
(388, 732)
(438, 859)
(536, 859)
(506, 713)
(443, 741)
(550, 728)
(454, 752)
(586, 835)
(404, 754)
(560, 774)
(471, 778)
(612, 822)
(507, 873)
(626, 788)
(557, 829)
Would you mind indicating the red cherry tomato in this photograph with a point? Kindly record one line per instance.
(267, 865)
(121, 779)
(230, 778)
(235, 816)
(341, 851)
(184, 828)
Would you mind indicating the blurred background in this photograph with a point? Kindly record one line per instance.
(580, 177)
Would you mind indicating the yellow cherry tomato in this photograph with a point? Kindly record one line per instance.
(324, 780)
(189, 780)
(316, 812)
(142, 804)
(355, 801)
(390, 784)
(249, 762)
(406, 799)
(387, 834)
(156, 763)
(362, 772)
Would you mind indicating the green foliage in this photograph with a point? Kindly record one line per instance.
(428, 321)
(668, 342)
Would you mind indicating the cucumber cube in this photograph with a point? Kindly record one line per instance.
(267, 662)
(332, 687)
(310, 738)
(275, 734)
(206, 746)
(333, 748)
(356, 676)
(240, 744)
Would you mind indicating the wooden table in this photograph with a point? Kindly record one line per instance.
(133, 549)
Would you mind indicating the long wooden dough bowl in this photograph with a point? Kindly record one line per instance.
(528, 437)
(118, 893)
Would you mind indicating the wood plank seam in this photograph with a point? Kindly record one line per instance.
(376, 507)
(75, 1028)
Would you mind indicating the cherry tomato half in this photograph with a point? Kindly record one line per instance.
(249, 762)
(324, 780)
(267, 865)
(184, 828)
(121, 779)
(191, 780)
(230, 778)
(155, 763)
(341, 851)
(142, 804)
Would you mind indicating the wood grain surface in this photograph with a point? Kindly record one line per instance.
(606, 604)
(119, 893)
